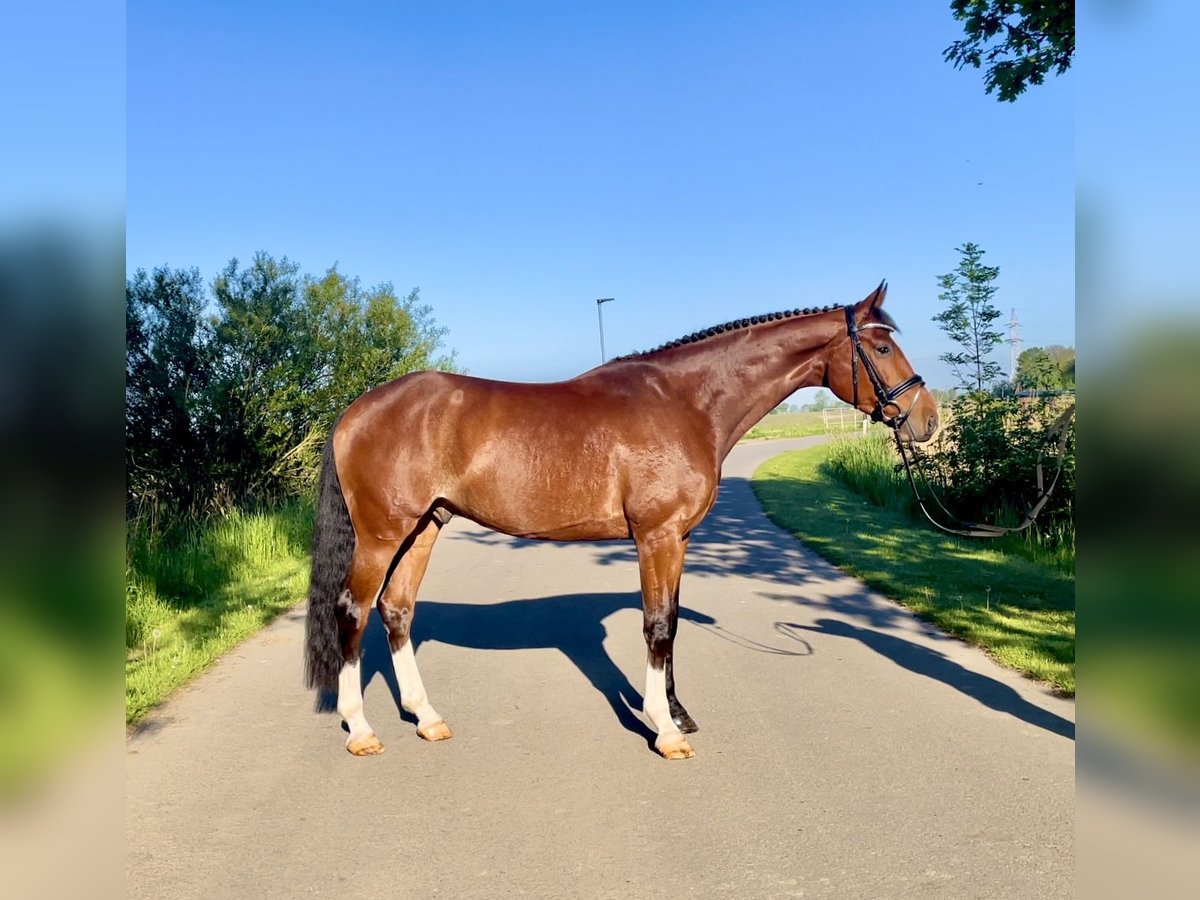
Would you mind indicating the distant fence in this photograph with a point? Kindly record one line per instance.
(1059, 399)
(841, 419)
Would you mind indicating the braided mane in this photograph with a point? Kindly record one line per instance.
(735, 325)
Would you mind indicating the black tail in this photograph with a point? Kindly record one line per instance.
(332, 550)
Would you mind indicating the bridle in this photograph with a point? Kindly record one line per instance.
(886, 397)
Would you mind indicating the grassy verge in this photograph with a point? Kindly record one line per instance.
(869, 467)
(198, 588)
(1019, 609)
(787, 425)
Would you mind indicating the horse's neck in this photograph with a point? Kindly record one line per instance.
(741, 377)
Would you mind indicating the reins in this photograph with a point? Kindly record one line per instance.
(887, 398)
(1057, 432)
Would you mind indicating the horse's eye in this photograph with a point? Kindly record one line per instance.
(883, 350)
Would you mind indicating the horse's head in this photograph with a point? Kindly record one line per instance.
(867, 369)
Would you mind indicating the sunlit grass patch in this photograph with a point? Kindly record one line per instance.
(1020, 610)
(787, 425)
(199, 588)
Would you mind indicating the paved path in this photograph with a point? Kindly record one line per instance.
(846, 750)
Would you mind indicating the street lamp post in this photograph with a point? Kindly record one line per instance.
(600, 316)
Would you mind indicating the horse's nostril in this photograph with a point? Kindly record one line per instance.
(931, 425)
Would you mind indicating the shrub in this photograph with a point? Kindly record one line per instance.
(984, 463)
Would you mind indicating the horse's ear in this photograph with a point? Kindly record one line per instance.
(873, 300)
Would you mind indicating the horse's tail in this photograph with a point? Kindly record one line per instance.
(332, 550)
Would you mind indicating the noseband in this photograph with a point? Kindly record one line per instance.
(884, 396)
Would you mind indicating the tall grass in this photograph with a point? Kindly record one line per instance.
(867, 465)
(197, 587)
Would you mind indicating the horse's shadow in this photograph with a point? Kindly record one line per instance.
(570, 623)
(932, 664)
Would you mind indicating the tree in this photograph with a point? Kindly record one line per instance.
(968, 317)
(229, 396)
(1036, 371)
(257, 397)
(1064, 359)
(820, 402)
(1060, 354)
(169, 367)
(294, 351)
(354, 340)
(986, 456)
(1021, 41)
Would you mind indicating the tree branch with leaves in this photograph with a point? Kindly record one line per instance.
(1020, 41)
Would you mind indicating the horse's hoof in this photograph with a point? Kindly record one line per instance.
(674, 747)
(438, 731)
(365, 746)
(685, 723)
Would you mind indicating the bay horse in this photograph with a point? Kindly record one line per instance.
(630, 449)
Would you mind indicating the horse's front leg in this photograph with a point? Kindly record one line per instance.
(684, 722)
(660, 561)
(679, 715)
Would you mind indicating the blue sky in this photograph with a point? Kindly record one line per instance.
(63, 77)
(698, 162)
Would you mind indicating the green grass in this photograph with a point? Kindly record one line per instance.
(1021, 610)
(870, 467)
(867, 467)
(787, 425)
(196, 589)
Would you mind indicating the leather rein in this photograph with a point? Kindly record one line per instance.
(887, 399)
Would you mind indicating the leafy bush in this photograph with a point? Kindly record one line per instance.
(982, 468)
(984, 463)
(231, 391)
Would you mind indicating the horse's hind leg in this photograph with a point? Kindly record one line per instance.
(368, 568)
(396, 607)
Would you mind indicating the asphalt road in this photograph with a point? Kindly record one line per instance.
(845, 750)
